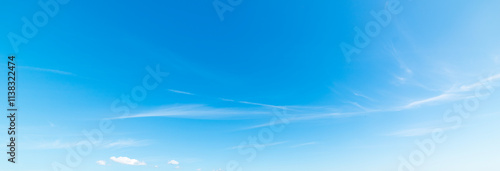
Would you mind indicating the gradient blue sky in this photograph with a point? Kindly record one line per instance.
(227, 77)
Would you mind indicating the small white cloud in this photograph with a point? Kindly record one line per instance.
(156, 166)
(127, 161)
(101, 162)
(177, 167)
(173, 162)
(198, 169)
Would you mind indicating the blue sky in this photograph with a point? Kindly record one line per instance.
(266, 65)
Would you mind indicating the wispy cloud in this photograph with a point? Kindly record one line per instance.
(439, 98)
(454, 93)
(395, 53)
(481, 82)
(230, 100)
(363, 96)
(195, 111)
(264, 105)
(180, 92)
(47, 70)
(358, 105)
(200, 112)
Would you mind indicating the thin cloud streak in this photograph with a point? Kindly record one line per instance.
(450, 95)
(260, 104)
(199, 112)
(180, 92)
(230, 100)
(453, 93)
(363, 96)
(205, 112)
(439, 98)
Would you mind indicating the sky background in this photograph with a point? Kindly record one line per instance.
(227, 79)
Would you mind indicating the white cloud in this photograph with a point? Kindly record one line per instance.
(395, 53)
(439, 98)
(200, 112)
(359, 106)
(455, 93)
(260, 104)
(127, 161)
(471, 87)
(173, 162)
(101, 162)
(363, 96)
(180, 92)
(177, 167)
